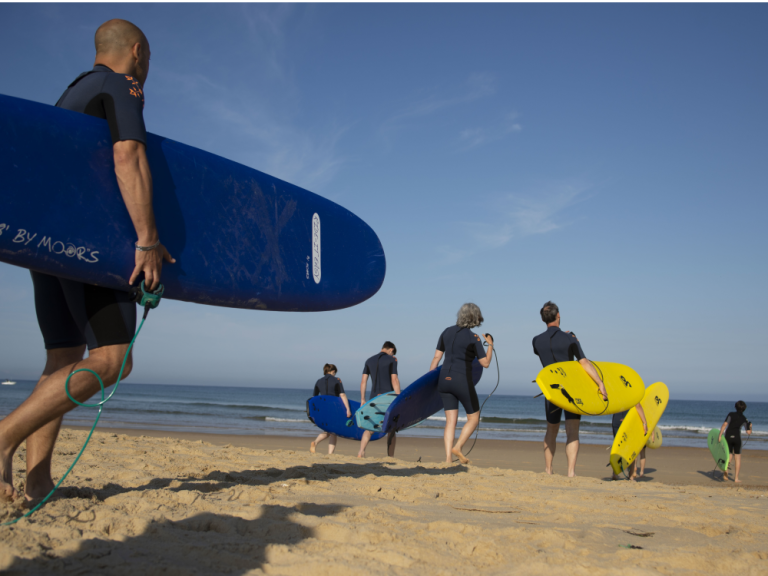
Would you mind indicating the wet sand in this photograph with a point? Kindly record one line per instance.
(152, 502)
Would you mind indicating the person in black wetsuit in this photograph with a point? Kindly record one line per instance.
(72, 315)
(616, 421)
(732, 426)
(553, 346)
(460, 346)
(382, 368)
(329, 385)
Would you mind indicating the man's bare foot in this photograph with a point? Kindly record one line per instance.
(615, 476)
(641, 474)
(361, 454)
(571, 474)
(312, 447)
(463, 459)
(548, 472)
(7, 491)
(737, 481)
(37, 490)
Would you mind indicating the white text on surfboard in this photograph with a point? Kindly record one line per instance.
(316, 248)
(54, 246)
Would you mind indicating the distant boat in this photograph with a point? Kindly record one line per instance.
(8, 382)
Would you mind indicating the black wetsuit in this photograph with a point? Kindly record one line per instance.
(735, 421)
(70, 313)
(461, 347)
(328, 385)
(552, 346)
(616, 421)
(380, 368)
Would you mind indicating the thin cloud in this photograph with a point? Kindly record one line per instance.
(473, 137)
(536, 213)
(254, 126)
(540, 211)
(477, 86)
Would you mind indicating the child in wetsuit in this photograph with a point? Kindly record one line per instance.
(329, 385)
(732, 429)
(616, 421)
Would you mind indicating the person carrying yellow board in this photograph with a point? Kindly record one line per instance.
(618, 418)
(553, 346)
(632, 429)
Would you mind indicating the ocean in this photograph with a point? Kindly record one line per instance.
(282, 411)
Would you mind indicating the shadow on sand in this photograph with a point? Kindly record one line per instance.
(220, 480)
(207, 543)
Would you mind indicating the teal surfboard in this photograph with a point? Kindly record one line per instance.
(719, 450)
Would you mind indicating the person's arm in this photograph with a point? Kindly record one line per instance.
(749, 428)
(589, 369)
(363, 382)
(485, 362)
(641, 413)
(436, 360)
(723, 427)
(135, 181)
(396, 383)
(346, 404)
(316, 391)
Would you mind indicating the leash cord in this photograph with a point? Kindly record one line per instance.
(98, 405)
(498, 379)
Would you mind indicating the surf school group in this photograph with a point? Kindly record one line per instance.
(586, 388)
(149, 183)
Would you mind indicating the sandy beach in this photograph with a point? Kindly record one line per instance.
(142, 502)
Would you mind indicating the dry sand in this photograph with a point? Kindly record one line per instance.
(150, 505)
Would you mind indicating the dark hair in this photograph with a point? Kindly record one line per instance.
(328, 368)
(389, 344)
(549, 312)
(741, 406)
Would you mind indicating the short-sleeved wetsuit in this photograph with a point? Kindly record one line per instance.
(380, 368)
(328, 385)
(552, 346)
(461, 346)
(735, 420)
(71, 313)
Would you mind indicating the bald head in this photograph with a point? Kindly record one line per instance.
(123, 48)
(116, 36)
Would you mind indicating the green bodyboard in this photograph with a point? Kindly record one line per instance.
(719, 450)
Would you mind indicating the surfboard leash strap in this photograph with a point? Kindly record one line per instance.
(479, 416)
(149, 300)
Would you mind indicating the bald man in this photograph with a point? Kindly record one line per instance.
(73, 315)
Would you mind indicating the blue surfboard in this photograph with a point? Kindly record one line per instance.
(415, 404)
(328, 414)
(241, 238)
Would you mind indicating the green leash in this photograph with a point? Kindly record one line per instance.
(149, 300)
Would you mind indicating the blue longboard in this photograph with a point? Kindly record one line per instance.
(416, 403)
(241, 238)
(328, 414)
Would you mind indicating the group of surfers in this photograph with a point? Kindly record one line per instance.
(74, 316)
(460, 347)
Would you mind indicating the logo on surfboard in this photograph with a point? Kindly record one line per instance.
(316, 248)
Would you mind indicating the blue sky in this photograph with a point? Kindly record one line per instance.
(611, 158)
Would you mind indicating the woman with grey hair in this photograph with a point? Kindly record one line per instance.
(455, 382)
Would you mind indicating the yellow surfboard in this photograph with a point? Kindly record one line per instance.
(567, 385)
(630, 438)
(655, 439)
